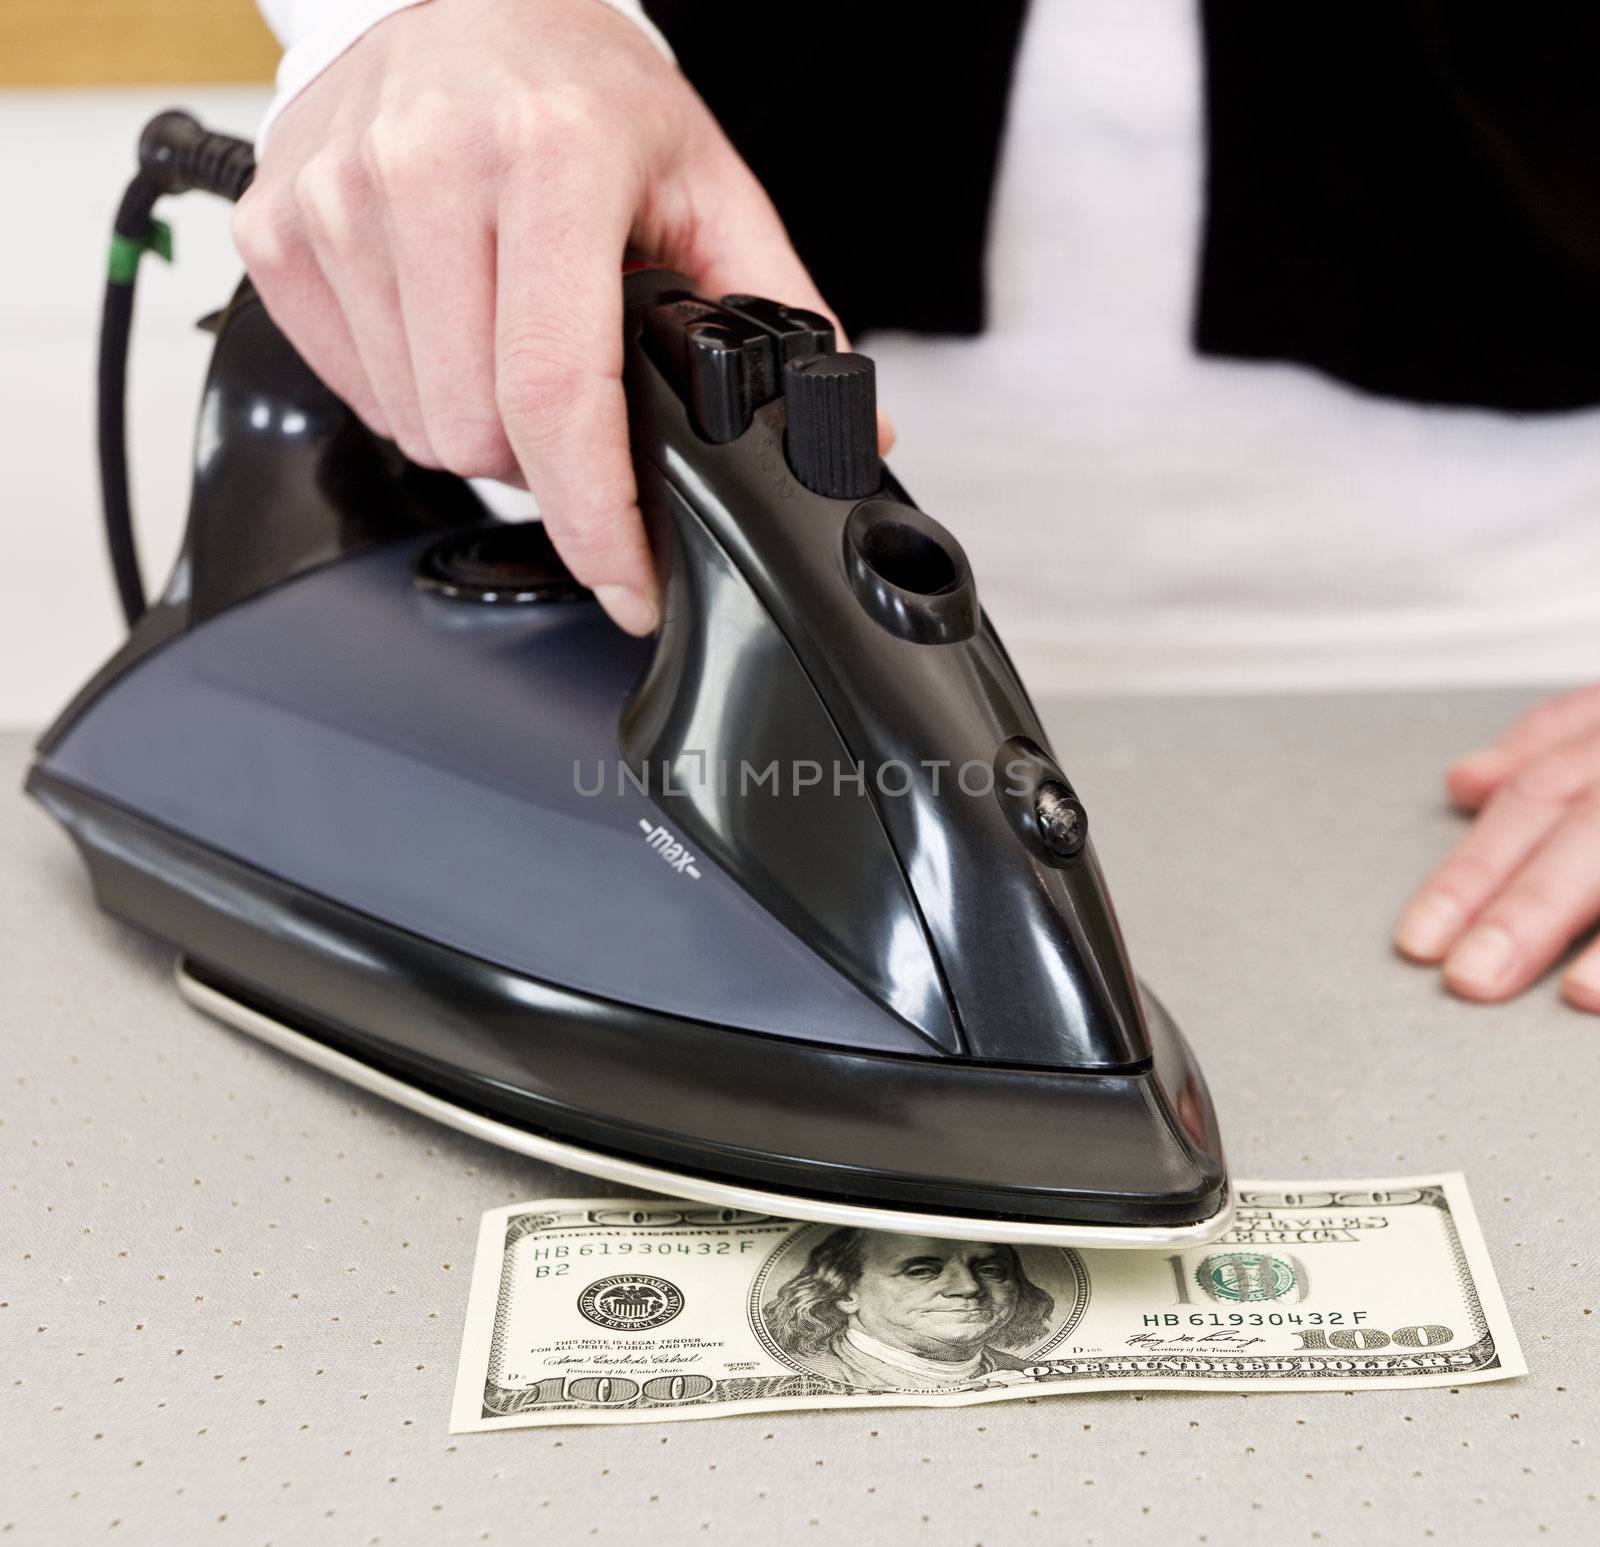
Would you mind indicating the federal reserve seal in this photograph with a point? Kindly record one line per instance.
(1239, 1276)
(630, 1302)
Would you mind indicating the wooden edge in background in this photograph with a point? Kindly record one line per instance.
(128, 42)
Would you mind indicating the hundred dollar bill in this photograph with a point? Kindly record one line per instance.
(607, 1310)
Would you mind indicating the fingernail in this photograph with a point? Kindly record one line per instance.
(1477, 768)
(1428, 926)
(1580, 984)
(629, 609)
(1482, 961)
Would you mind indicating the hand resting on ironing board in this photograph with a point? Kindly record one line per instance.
(1524, 883)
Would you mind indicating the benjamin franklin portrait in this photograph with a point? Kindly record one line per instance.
(907, 1313)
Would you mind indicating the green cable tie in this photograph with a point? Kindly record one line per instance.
(126, 251)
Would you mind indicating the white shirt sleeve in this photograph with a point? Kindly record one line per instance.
(315, 32)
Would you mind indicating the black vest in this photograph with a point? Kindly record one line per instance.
(1404, 194)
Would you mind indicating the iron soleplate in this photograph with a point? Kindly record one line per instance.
(676, 1184)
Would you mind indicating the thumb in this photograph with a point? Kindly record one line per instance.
(735, 244)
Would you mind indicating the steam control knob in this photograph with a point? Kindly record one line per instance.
(1063, 823)
(832, 405)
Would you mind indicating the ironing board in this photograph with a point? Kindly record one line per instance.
(234, 1288)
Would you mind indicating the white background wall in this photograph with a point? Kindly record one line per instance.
(64, 159)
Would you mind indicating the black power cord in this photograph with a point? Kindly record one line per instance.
(176, 154)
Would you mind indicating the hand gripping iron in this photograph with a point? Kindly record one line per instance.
(789, 909)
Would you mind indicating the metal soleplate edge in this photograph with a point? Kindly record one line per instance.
(674, 1184)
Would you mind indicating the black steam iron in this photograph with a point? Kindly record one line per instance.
(789, 909)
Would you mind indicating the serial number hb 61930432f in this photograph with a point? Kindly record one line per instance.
(1255, 1318)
